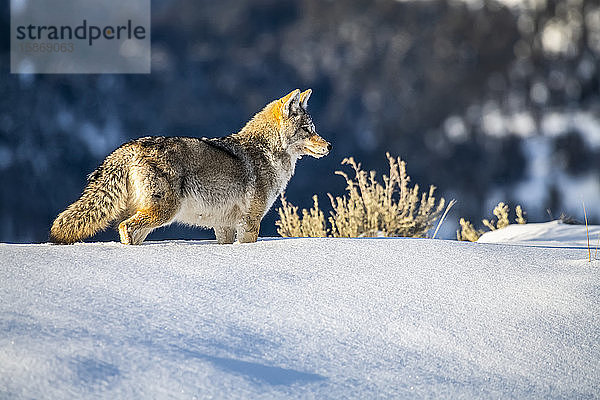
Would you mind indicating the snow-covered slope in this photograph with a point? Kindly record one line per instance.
(298, 318)
(549, 234)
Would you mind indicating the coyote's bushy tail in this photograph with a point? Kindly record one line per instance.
(102, 201)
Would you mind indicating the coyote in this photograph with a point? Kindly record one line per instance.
(227, 183)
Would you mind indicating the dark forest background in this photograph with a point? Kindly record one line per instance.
(489, 102)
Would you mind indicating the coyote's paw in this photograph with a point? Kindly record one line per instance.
(225, 235)
(248, 237)
(124, 233)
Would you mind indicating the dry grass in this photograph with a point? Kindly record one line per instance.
(441, 220)
(368, 209)
(501, 211)
(587, 232)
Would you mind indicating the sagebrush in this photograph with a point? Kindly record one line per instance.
(468, 232)
(368, 209)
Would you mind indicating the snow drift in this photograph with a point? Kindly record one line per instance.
(298, 318)
(547, 234)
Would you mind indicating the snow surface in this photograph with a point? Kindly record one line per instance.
(298, 318)
(548, 234)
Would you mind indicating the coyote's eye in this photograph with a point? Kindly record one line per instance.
(307, 128)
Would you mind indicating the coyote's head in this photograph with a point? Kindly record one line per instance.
(296, 130)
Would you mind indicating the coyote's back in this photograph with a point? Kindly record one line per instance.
(227, 184)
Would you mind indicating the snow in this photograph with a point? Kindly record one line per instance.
(548, 234)
(298, 318)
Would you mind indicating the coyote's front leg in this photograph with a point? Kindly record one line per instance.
(225, 234)
(247, 231)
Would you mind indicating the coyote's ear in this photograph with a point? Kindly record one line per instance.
(291, 103)
(304, 96)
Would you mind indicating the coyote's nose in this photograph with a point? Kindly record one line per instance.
(328, 146)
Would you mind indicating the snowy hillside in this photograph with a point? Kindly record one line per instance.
(298, 318)
(550, 234)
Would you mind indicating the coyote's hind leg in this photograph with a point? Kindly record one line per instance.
(155, 204)
(140, 235)
(135, 228)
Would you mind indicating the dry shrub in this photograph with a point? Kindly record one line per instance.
(468, 231)
(501, 211)
(368, 209)
(312, 223)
